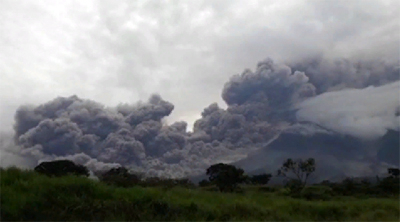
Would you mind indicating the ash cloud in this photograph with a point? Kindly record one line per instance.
(271, 83)
(102, 137)
(260, 105)
(340, 73)
(353, 99)
(258, 102)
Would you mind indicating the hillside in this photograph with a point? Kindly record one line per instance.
(337, 156)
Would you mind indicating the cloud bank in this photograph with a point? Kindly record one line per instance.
(364, 113)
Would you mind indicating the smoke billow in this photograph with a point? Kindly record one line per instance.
(102, 137)
(261, 105)
(337, 74)
(257, 102)
(271, 84)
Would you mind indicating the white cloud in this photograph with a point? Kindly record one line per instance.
(365, 113)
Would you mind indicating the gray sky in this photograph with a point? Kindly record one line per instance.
(122, 51)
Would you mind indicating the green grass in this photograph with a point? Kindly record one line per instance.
(27, 196)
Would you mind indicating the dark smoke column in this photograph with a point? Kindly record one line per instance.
(271, 88)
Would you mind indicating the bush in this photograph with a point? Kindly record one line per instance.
(349, 187)
(166, 183)
(260, 179)
(389, 185)
(119, 177)
(268, 189)
(294, 187)
(316, 193)
(204, 183)
(61, 168)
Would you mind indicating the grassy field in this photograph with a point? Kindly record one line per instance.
(27, 196)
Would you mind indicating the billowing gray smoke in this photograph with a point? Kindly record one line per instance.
(337, 74)
(258, 102)
(272, 87)
(260, 105)
(130, 135)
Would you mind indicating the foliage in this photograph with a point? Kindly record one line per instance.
(166, 183)
(261, 179)
(294, 187)
(394, 172)
(61, 168)
(29, 196)
(204, 183)
(317, 193)
(268, 189)
(299, 168)
(388, 186)
(226, 177)
(119, 177)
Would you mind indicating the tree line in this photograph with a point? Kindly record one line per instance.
(228, 178)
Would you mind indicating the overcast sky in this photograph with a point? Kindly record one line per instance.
(122, 51)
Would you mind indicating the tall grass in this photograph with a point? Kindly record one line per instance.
(27, 196)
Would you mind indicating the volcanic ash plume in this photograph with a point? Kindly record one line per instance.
(271, 84)
(261, 105)
(102, 137)
(257, 103)
(67, 126)
(337, 74)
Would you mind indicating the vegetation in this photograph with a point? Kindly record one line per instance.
(119, 177)
(61, 168)
(301, 170)
(30, 196)
(57, 191)
(226, 177)
(394, 172)
(261, 179)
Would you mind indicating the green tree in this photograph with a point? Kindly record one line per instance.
(297, 169)
(225, 177)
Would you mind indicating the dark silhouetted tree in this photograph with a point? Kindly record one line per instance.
(301, 170)
(394, 172)
(225, 177)
(61, 168)
(119, 177)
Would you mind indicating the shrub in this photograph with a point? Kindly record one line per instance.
(61, 168)
(268, 189)
(119, 177)
(316, 193)
(204, 183)
(261, 179)
(166, 183)
(294, 187)
(389, 185)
